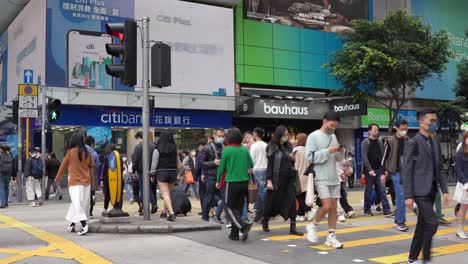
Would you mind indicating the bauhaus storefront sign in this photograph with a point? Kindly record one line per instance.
(348, 107)
(264, 108)
(131, 117)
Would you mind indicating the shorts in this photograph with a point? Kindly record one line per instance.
(167, 176)
(328, 191)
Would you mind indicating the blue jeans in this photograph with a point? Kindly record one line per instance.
(370, 183)
(153, 200)
(400, 212)
(129, 190)
(4, 190)
(260, 180)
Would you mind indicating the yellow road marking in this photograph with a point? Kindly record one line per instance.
(439, 251)
(70, 249)
(384, 239)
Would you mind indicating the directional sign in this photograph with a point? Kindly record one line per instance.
(28, 113)
(28, 76)
(28, 102)
(27, 95)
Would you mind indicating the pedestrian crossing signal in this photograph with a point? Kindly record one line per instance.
(53, 110)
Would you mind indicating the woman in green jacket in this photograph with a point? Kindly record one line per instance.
(235, 164)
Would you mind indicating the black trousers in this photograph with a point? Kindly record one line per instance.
(351, 179)
(50, 181)
(236, 194)
(303, 208)
(425, 228)
(210, 193)
(91, 201)
(106, 192)
(201, 192)
(344, 199)
(136, 190)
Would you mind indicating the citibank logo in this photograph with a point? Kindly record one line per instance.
(346, 107)
(121, 118)
(285, 110)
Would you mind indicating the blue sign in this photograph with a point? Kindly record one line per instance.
(410, 116)
(112, 161)
(131, 117)
(28, 76)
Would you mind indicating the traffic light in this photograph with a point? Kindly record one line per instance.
(15, 111)
(160, 65)
(53, 110)
(126, 51)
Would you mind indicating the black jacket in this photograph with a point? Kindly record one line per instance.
(52, 167)
(207, 157)
(417, 168)
(137, 157)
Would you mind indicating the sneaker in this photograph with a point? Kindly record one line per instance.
(52, 195)
(245, 232)
(333, 242)
(310, 215)
(442, 221)
(163, 215)
(300, 219)
(71, 228)
(389, 214)
(378, 209)
(368, 213)
(171, 218)
(84, 230)
(312, 233)
(33, 204)
(350, 214)
(461, 235)
(402, 228)
(341, 218)
(218, 220)
(413, 261)
(61, 197)
(228, 225)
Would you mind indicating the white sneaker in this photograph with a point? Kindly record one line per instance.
(310, 215)
(326, 216)
(71, 228)
(341, 218)
(312, 233)
(52, 195)
(461, 235)
(33, 204)
(350, 214)
(333, 242)
(84, 230)
(300, 218)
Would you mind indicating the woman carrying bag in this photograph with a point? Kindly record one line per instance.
(280, 197)
(461, 192)
(235, 164)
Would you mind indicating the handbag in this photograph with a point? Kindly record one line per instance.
(298, 182)
(309, 199)
(253, 190)
(189, 177)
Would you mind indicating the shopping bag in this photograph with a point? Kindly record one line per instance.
(253, 190)
(189, 177)
(310, 192)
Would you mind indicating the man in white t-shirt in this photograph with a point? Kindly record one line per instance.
(259, 157)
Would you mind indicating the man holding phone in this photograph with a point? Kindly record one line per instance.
(372, 149)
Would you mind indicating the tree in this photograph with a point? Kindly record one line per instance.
(387, 61)
(461, 86)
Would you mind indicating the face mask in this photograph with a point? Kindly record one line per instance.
(124, 159)
(285, 139)
(432, 128)
(403, 132)
(220, 140)
(330, 130)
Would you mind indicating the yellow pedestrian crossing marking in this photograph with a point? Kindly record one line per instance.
(69, 249)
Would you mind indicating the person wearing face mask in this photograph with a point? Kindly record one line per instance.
(33, 172)
(324, 151)
(393, 152)
(210, 157)
(372, 150)
(461, 192)
(280, 198)
(421, 173)
(189, 165)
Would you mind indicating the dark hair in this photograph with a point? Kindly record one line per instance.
(234, 136)
(275, 143)
(216, 131)
(109, 148)
(166, 142)
(423, 113)
(247, 133)
(186, 152)
(331, 116)
(76, 141)
(259, 131)
(52, 155)
(370, 126)
(138, 135)
(202, 142)
(401, 122)
(89, 140)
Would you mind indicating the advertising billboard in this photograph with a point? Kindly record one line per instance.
(202, 44)
(3, 66)
(76, 38)
(380, 117)
(325, 15)
(26, 47)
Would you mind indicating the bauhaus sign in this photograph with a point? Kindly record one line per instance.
(265, 108)
(348, 107)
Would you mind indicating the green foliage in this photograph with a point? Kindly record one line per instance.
(461, 86)
(451, 116)
(395, 56)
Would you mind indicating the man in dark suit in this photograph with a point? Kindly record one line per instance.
(422, 176)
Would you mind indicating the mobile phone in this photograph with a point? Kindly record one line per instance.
(87, 58)
(341, 146)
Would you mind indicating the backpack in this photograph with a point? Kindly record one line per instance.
(6, 167)
(36, 168)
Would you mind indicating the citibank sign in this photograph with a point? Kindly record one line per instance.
(121, 118)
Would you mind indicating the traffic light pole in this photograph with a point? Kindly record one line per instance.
(145, 117)
(43, 139)
(19, 175)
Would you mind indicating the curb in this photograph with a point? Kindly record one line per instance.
(150, 229)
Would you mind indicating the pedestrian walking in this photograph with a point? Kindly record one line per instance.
(372, 150)
(421, 168)
(353, 175)
(164, 166)
(52, 167)
(189, 167)
(301, 164)
(90, 143)
(324, 151)
(393, 153)
(461, 192)
(79, 163)
(127, 172)
(198, 172)
(235, 165)
(280, 198)
(344, 172)
(259, 157)
(33, 170)
(6, 168)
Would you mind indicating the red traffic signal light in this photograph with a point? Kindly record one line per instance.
(125, 51)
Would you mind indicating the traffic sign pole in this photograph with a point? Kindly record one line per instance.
(43, 140)
(19, 175)
(145, 115)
